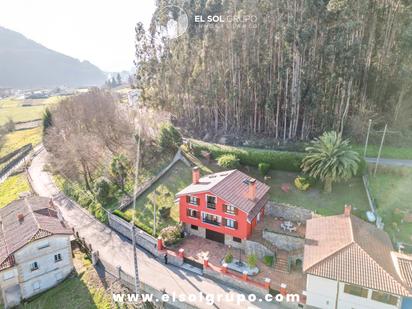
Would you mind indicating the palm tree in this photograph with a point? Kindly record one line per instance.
(330, 159)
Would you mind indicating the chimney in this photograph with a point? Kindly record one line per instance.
(348, 209)
(20, 217)
(251, 194)
(195, 175)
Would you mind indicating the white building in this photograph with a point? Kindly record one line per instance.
(35, 251)
(350, 264)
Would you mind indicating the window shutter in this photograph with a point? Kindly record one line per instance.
(235, 225)
(197, 214)
(236, 210)
(188, 212)
(224, 221)
(224, 208)
(197, 201)
(187, 199)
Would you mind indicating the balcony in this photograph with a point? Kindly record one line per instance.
(211, 221)
(211, 205)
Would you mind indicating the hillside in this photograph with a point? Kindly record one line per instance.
(27, 64)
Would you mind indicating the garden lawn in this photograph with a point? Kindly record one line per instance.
(17, 139)
(12, 187)
(393, 195)
(388, 152)
(24, 110)
(351, 192)
(79, 291)
(177, 178)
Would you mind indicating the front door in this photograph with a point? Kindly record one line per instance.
(212, 235)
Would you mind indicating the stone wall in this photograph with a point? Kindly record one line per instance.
(253, 247)
(284, 242)
(288, 212)
(229, 242)
(200, 232)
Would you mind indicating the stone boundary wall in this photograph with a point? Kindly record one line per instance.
(284, 242)
(178, 157)
(253, 247)
(288, 212)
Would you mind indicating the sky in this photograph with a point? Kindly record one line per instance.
(100, 31)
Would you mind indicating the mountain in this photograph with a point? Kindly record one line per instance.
(27, 64)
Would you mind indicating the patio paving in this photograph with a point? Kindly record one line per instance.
(274, 225)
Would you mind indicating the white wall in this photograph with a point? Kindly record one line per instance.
(322, 293)
(50, 272)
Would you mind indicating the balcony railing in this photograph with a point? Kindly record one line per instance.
(211, 205)
(209, 221)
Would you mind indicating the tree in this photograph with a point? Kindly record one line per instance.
(118, 79)
(330, 159)
(102, 189)
(47, 120)
(169, 138)
(119, 170)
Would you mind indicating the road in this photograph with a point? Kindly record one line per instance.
(391, 162)
(118, 251)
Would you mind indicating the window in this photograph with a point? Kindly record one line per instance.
(43, 246)
(192, 213)
(57, 257)
(194, 227)
(210, 202)
(231, 223)
(237, 239)
(230, 209)
(211, 219)
(356, 290)
(193, 200)
(34, 266)
(8, 275)
(385, 298)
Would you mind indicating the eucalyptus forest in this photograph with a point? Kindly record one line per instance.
(298, 69)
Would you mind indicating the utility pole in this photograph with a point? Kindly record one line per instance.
(367, 137)
(380, 150)
(154, 213)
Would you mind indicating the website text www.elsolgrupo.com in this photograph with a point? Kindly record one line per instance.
(200, 297)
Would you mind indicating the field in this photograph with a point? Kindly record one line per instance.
(388, 152)
(24, 110)
(82, 290)
(17, 139)
(12, 187)
(393, 195)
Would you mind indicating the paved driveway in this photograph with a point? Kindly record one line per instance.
(118, 251)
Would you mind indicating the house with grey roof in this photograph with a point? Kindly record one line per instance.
(35, 250)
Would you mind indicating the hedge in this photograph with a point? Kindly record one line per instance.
(278, 160)
(128, 218)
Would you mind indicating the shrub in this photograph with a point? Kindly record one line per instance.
(169, 138)
(102, 189)
(229, 257)
(164, 212)
(268, 260)
(263, 168)
(100, 214)
(251, 261)
(302, 183)
(171, 234)
(278, 160)
(228, 161)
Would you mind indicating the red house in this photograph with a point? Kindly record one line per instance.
(223, 207)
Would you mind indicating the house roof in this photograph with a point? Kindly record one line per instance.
(38, 219)
(231, 186)
(348, 249)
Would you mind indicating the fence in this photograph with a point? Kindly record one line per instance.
(20, 156)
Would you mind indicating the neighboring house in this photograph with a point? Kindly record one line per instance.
(35, 251)
(351, 264)
(223, 207)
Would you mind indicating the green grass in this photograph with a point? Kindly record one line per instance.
(12, 187)
(74, 292)
(17, 139)
(393, 195)
(177, 178)
(350, 192)
(14, 109)
(388, 152)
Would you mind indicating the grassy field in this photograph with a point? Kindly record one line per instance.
(24, 110)
(163, 191)
(393, 195)
(12, 187)
(83, 290)
(17, 139)
(389, 152)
